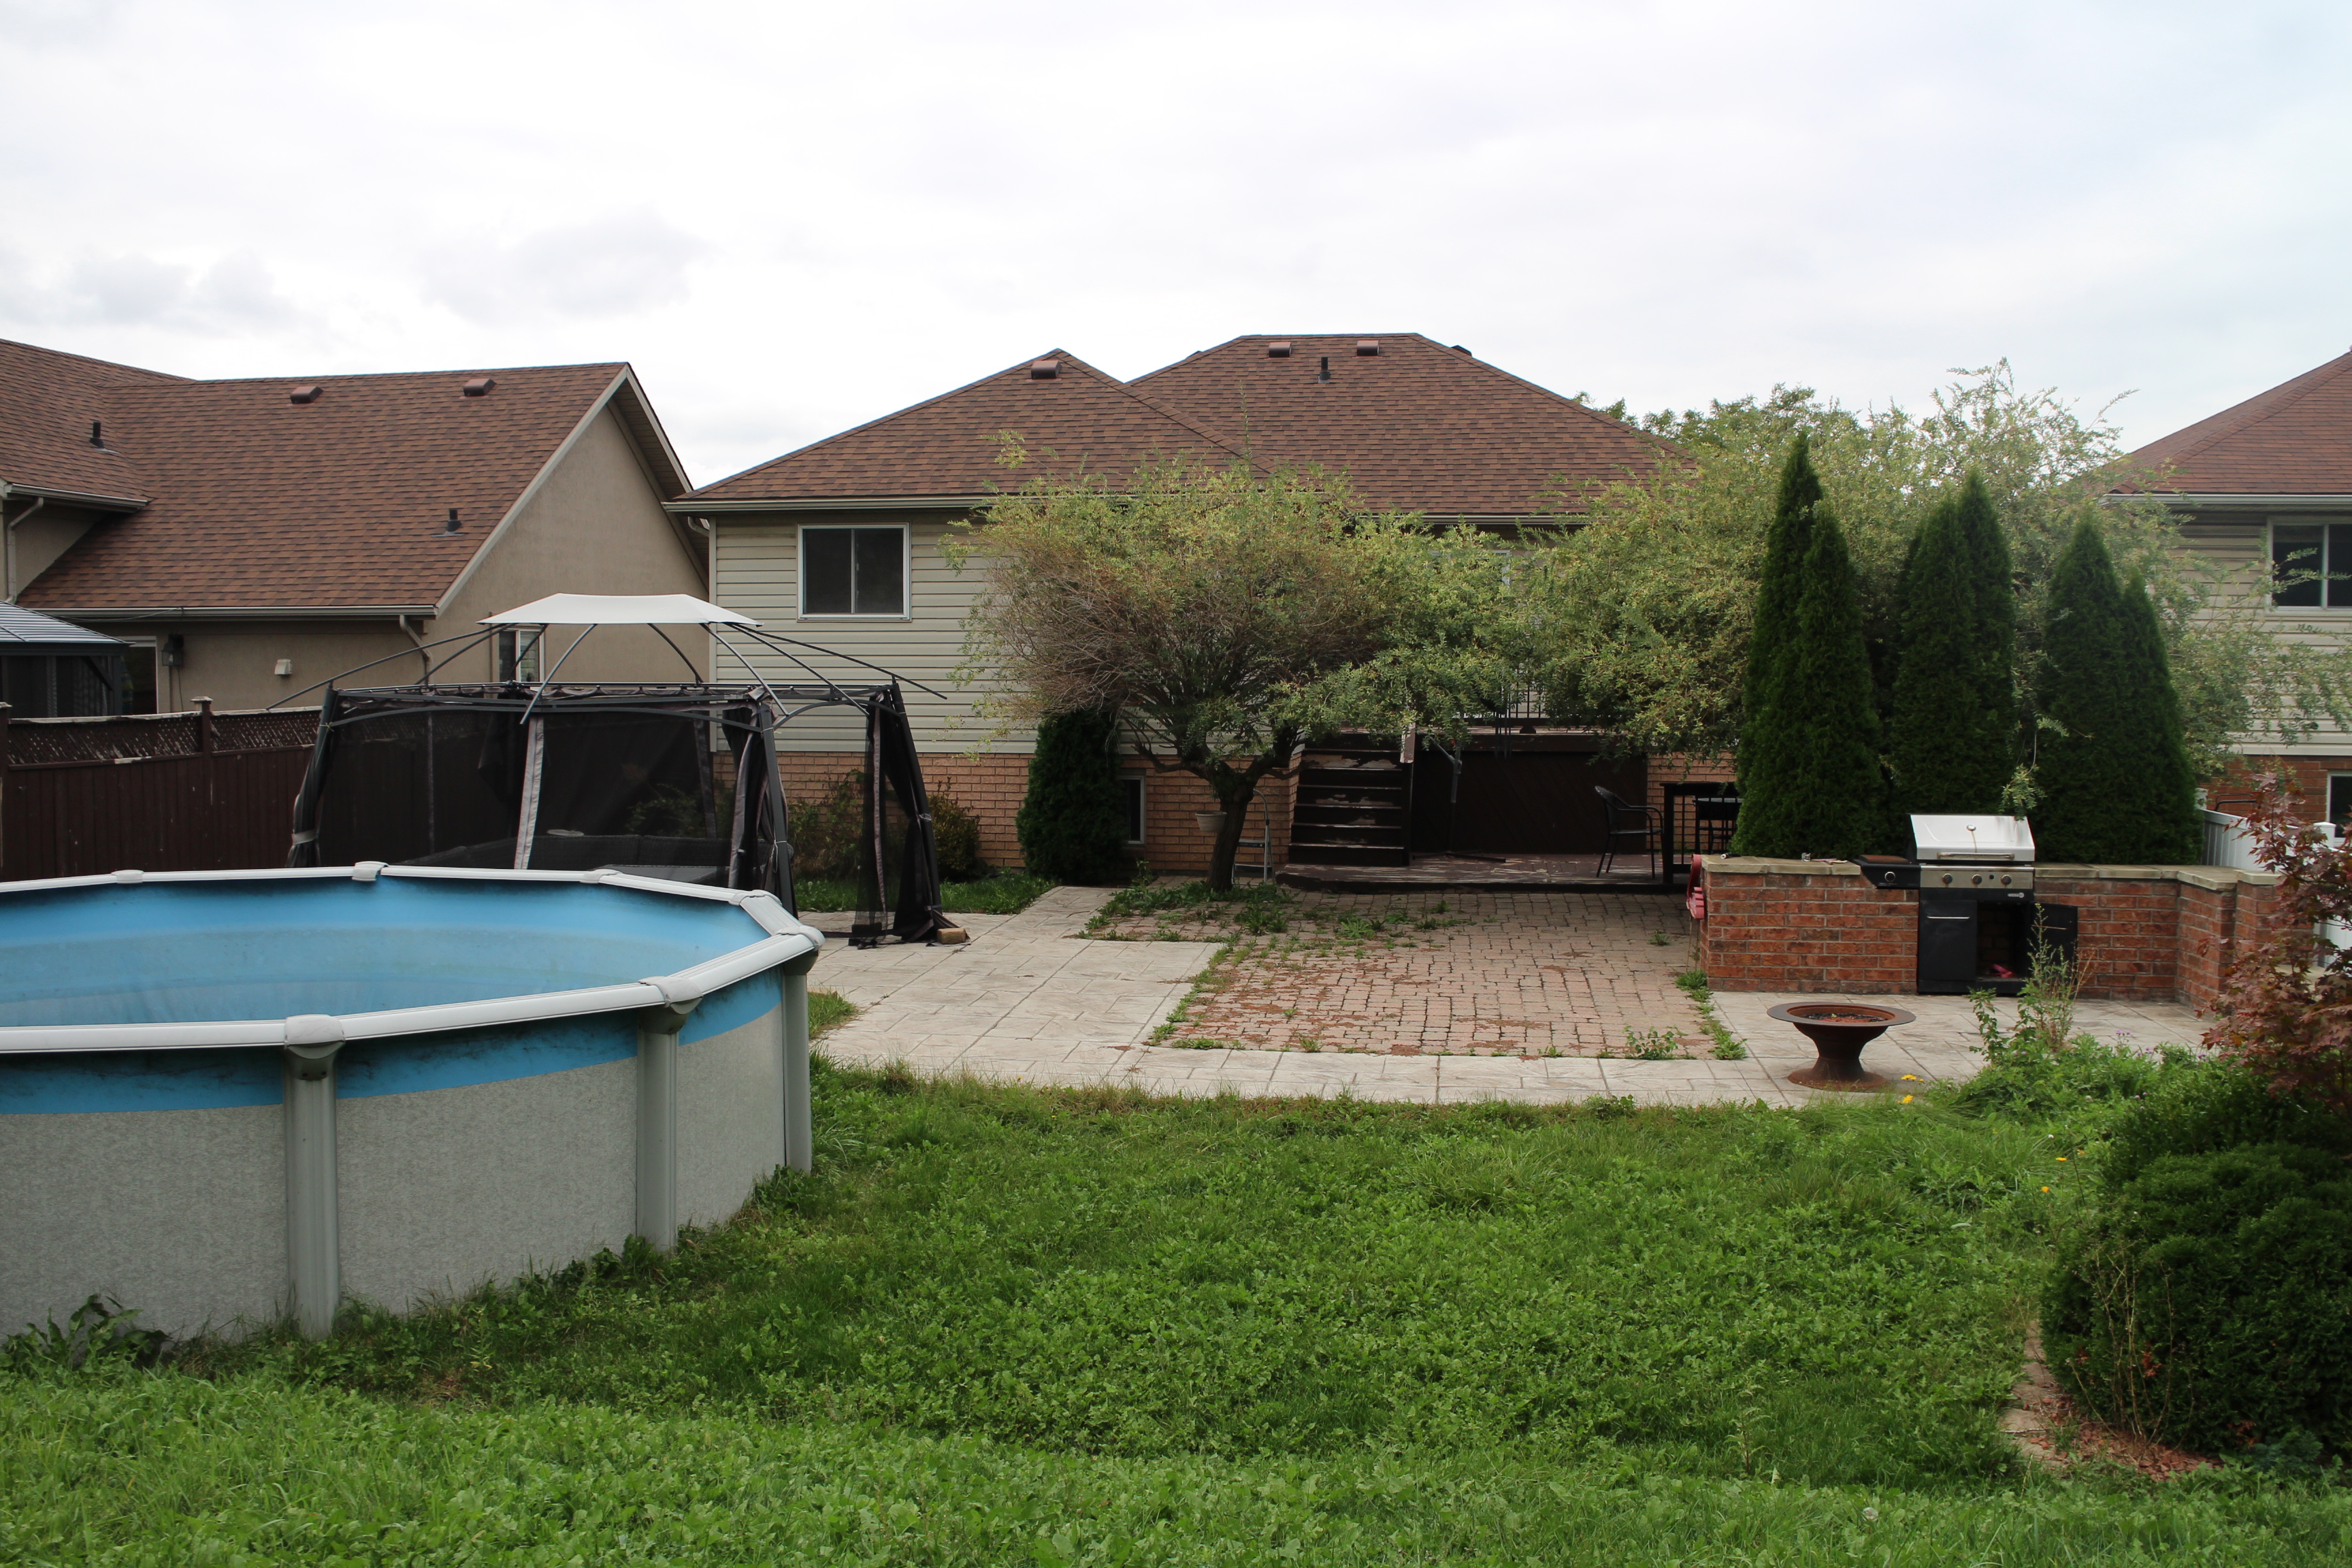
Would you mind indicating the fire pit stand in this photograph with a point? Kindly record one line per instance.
(1839, 1030)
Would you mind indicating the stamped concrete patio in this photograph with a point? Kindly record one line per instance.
(1030, 999)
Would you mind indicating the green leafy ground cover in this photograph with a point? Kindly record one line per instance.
(1001, 893)
(1004, 1325)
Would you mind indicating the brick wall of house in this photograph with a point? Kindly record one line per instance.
(2147, 933)
(2306, 776)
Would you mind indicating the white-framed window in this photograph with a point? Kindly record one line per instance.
(518, 654)
(1133, 784)
(2339, 799)
(2311, 565)
(860, 571)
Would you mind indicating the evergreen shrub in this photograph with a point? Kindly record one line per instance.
(957, 833)
(2111, 766)
(1953, 724)
(1073, 822)
(2203, 1296)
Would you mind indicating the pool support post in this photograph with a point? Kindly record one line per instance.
(314, 1264)
(800, 1139)
(657, 1030)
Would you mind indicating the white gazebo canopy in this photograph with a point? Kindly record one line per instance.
(618, 610)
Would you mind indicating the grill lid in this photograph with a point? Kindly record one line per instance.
(1976, 840)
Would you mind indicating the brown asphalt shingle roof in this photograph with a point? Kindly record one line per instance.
(1418, 426)
(2294, 440)
(258, 502)
(948, 445)
(48, 401)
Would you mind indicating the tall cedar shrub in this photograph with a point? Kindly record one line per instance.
(2114, 775)
(1073, 822)
(1765, 763)
(2198, 1297)
(1953, 720)
(1827, 798)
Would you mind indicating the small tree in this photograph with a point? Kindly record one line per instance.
(1073, 821)
(1226, 615)
(1828, 801)
(2111, 772)
(1952, 728)
(1766, 763)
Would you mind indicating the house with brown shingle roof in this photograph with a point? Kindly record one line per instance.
(250, 537)
(840, 542)
(2264, 489)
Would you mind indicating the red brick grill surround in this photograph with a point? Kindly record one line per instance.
(2150, 933)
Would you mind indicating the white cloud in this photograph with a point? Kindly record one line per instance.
(795, 216)
(233, 294)
(615, 267)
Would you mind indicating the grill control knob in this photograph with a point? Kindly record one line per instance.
(1976, 881)
(2004, 881)
(1948, 878)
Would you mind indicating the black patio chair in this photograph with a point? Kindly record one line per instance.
(1627, 820)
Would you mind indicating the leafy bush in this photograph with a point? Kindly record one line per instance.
(957, 833)
(2204, 1296)
(1073, 821)
(825, 831)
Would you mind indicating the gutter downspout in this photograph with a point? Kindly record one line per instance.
(38, 502)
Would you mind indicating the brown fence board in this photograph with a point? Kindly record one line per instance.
(170, 793)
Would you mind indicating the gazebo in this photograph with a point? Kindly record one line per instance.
(677, 781)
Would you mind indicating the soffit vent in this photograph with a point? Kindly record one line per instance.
(304, 394)
(1044, 369)
(1367, 347)
(1279, 350)
(480, 387)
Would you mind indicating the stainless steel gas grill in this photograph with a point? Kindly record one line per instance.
(1979, 919)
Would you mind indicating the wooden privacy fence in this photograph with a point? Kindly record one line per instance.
(160, 792)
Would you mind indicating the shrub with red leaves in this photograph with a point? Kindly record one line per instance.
(2286, 1000)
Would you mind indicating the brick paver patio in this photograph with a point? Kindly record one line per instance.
(1029, 999)
(1458, 971)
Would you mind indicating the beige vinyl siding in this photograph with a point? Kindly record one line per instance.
(2238, 543)
(756, 572)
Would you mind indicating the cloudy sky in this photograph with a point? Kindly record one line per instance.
(793, 217)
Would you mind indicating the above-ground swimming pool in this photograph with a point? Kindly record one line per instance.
(230, 1095)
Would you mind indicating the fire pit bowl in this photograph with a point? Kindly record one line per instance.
(1839, 1030)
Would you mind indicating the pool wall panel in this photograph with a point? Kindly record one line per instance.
(730, 1097)
(445, 1188)
(180, 1214)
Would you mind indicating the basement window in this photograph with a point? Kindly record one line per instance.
(2311, 565)
(853, 571)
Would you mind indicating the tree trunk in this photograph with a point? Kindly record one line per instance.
(1229, 839)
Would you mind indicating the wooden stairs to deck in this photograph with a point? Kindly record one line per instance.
(1354, 806)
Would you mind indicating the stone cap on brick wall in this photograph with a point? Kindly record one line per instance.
(2212, 877)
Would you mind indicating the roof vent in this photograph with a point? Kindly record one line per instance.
(1279, 350)
(1460, 350)
(452, 527)
(97, 434)
(1367, 347)
(1324, 374)
(479, 386)
(304, 394)
(1044, 369)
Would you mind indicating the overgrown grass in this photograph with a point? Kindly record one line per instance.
(827, 1010)
(999, 893)
(1000, 1324)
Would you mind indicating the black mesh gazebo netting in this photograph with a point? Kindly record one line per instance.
(676, 781)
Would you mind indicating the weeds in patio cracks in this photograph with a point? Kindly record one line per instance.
(1728, 1047)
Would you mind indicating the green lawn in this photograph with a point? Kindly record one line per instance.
(1001, 1325)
